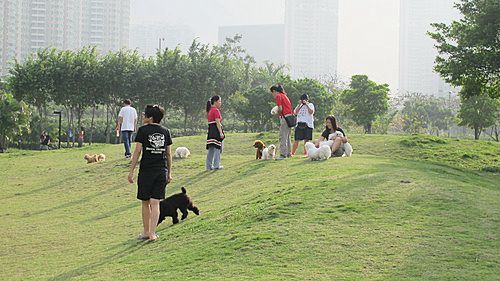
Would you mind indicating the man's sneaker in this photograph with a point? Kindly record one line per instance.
(281, 157)
(219, 168)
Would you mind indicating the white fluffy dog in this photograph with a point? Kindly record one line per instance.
(333, 136)
(181, 152)
(347, 146)
(347, 149)
(312, 151)
(324, 151)
(275, 110)
(269, 152)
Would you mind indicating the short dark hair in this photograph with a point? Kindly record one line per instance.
(304, 97)
(154, 111)
(127, 101)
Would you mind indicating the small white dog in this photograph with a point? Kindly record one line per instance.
(347, 146)
(269, 152)
(275, 110)
(182, 152)
(333, 136)
(324, 152)
(312, 151)
(347, 149)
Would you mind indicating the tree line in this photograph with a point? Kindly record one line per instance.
(90, 87)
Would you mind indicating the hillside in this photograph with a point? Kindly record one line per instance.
(403, 207)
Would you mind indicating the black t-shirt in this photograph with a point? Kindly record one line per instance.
(154, 139)
(327, 132)
(44, 140)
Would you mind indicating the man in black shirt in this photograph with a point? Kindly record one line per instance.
(155, 171)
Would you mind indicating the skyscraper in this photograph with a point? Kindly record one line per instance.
(30, 25)
(311, 29)
(10, 25)
(105, 24)
(265, 42)
(416, 49)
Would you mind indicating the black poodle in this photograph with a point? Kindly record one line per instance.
(169, 206)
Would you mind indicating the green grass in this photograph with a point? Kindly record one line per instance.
(402, 208)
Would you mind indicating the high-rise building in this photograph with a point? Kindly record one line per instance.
(30, 25)
(416, 49)
(311, 31)
(146, 38)
(105, 24)
(10, 35)
(264, 42)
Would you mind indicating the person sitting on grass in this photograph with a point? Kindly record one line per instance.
(155, 171)
(330, 128)
(45, 140)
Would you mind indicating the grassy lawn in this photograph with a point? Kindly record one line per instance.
(402, 208)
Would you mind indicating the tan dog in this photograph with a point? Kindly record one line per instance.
(94, 158)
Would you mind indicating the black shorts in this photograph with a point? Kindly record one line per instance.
(151, 185)
(303, 134)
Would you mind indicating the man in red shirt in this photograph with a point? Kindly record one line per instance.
(285, 108)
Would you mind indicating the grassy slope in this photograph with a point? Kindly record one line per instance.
(377, 215)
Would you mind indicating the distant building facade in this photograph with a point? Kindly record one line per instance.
(264, 42)
(416, 49)
(311, 32)
(30, 25)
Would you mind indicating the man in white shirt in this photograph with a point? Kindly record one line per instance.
(127, 124)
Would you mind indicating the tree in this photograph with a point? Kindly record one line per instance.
(14, 118)
(365, 100)
(421, 113)
(468, 48)
(254, 108)
(32, 82)
(119, 76)
(478, 112)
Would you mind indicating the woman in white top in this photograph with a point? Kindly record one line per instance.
(305, 122)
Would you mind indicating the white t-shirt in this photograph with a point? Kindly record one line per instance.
(129, 116)
(305, 116)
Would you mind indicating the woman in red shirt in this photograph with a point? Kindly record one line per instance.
(285, 108)
(215, 133)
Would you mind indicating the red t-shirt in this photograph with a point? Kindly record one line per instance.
(283, 101)
(213, 114)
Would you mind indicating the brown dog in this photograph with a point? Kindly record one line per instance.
(259, 145)
(94, 158)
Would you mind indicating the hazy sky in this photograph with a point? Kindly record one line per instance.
(368, 29)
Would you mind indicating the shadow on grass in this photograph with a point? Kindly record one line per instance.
(243, 170)
(82, 200)
(111, 213)
(133, 245)
(41, 189)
